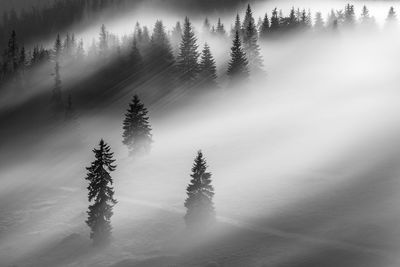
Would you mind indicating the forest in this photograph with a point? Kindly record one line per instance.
(193, 123)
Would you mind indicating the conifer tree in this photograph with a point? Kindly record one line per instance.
(275, 25)
(391, 19)
(238, 65)
(57, 50)
(208, 70)
(12, 53)
(80, 51)
(199, 202)
(220, 28)
(365, 17)
(319, 22)
(101, 193)
(176, 37)
(136, 59)
(248, 18)
(251, 47)
(103, 41)
(22, 60)
(206, 26)
(57, 105)
(264, 30)
(69, 110)
(349, 15)
(187, 64)
(160, 52)
(237, 26)
(137, 131)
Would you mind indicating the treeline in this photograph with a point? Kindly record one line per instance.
(41, 22)
(173, 58)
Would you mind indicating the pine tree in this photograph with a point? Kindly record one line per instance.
(160, 53)
(220, 28)
(136, 59)
(264, 30)
(319, 22)
(57, 50)
(208, 70)
(206, 26)
(349, 15)
(176, 37)
(275, 25)
(251, 47)
(137, 131)
(57, 105)
(187, 64)
(391, 19)
(12, 53)
(103, 41)
(22, 60)
(237, 26)
(101, 193)
(199, 202)
(248, 18)
(238, 65)
(69, 110)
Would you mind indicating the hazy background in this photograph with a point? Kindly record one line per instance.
(304, 161)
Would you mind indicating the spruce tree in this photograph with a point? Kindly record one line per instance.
(176, 37)
(248, 18)
(391, 19)
(349, 15)
(319, 22)
(57, 105)
(101, 194)
(103, 41)
(187, 64)
(137, 131)
(136, 59)
(206, 26)
(199, 202)
(264, 30)
(251, 47)
(237, 26)
(12, 53)
(208, 70)
(160, 57)
(57, 50)
(220, 28)
(238, 65)
(275, 24)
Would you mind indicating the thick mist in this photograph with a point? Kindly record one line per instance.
(304, 161)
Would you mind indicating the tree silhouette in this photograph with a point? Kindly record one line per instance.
(237, 26)
(391, 18)
(187, 64)
(250, 45)
(137, 131)
(199, 202)
(208, 70)
(238, 65)
(101, 193)
(57, 105)
(264, 29)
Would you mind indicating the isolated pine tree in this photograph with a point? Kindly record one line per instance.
(238, 65)
(101, 193)
(208, 70)
(199, 203)
(206, 26)
(187, 64)
(137, 131)
(349, 15)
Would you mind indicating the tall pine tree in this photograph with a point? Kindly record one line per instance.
(238, 65)
(101, 193)
(57, 105)
(208, 70)
(250, 45)
(187, 64)
(199, 203)
(264, 29)
(137, 131)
